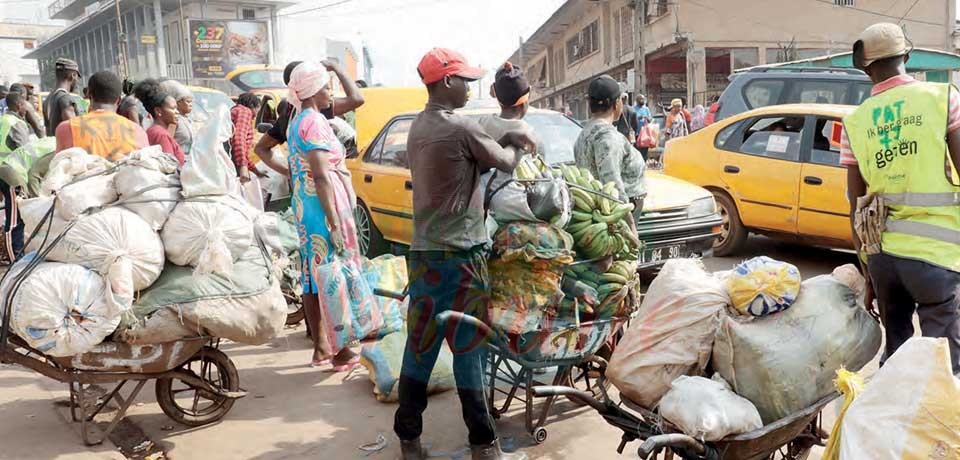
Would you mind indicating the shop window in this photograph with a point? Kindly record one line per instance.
(843, 2)
(248, 13)
(584, 43)
(745, 57)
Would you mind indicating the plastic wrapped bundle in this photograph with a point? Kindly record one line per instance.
(209, 234)
(81, 181)
(60, 309)
(762, 286)
(786, 361)
(148, 184)
(707, 409)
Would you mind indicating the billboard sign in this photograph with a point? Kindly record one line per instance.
(219, 46)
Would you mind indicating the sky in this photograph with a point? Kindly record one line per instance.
(399, 32)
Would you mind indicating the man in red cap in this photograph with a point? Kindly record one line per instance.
(447, 262)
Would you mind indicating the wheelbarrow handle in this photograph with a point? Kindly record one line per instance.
(543, 391)
(391, 294)
(456, 318)
(681, 441)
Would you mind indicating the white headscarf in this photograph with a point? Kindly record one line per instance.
(306, 80)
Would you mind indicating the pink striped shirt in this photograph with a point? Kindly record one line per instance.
(953, 118)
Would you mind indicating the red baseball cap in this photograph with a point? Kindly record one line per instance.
(443, 62)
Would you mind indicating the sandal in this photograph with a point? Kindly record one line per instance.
(320, 362)
(347, 366)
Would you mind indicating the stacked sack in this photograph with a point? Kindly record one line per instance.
(773, 341)
(126, 250)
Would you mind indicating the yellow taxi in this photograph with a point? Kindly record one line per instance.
(679, 218)
(774, 171)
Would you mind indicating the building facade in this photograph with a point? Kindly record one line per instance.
(198, 42)
(16, 41)
(691, 46)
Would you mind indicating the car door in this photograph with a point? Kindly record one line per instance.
(761, 170)
(385, 181)
(824, 209)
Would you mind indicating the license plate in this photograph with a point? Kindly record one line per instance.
(661, 254)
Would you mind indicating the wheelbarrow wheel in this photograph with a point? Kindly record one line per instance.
(796, 450)
(294, 309)
(192, 405)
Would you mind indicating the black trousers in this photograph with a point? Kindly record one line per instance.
(13, 225)
(904, 287)
(438, 282)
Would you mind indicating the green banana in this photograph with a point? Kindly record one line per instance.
(581, 215)
(607, 289)
(585, 174)
(586, 197)
(579, 203)
(591, 234)
(611, 217)
(613, 278)
(577, 225)
(596, 185)
(580, 234)
(618, 269)
(610, 188)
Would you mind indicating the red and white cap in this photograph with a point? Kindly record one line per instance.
(443, 62)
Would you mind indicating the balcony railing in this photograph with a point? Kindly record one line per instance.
(177, 71)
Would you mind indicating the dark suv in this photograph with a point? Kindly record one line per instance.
(763, 86)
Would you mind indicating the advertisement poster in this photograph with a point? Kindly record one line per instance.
(219, 46)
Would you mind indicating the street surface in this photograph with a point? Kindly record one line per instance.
(295, 412)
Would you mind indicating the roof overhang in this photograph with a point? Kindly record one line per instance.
(921, 60)
(558, 23)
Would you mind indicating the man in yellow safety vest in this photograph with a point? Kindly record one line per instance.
(902, 149)
(14, 133)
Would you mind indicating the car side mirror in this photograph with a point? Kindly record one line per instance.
(262, 128)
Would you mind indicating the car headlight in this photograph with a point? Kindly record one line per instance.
(702, 207)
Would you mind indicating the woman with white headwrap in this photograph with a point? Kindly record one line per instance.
(322, 198)
(184, 98)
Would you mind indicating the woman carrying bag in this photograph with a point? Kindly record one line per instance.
(322, 202)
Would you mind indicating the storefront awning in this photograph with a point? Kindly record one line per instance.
(921, 60)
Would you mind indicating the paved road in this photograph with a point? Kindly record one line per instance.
(294, 412)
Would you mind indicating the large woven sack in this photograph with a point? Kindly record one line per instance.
(209, 234)
(389, 273)
(707, 409)
(60, 309)
(910, 409)
(787, 361)
(81, 181)
(148, 184)
(672, 334)
(384, 359)
(246, 307)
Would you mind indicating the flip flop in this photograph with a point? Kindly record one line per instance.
(346, 367)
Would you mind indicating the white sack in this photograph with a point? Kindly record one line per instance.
(61, 309)
(32, 211)
(910, 409)
(89, 186)
(148, 184)
(252, 320)
(787, 361)
(707, 409)
(208, 169)
(275, 184)
(100, 240)
(672, 334)
(208, 234)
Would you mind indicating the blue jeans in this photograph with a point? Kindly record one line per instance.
(440, 281)
(13, 229)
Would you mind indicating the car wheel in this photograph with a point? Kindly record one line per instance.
(733, 234)
(369, 237)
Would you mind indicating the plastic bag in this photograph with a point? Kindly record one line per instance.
(506, 199)
(761, 286)
(550, 201)
(389, 273)
(647, 137)
(529, 241)
(850, 385)
(208, 234)
(81, 181)
(350, 310)
(707, 409)
(209, 170)
(148, 184)
(60, 309)
(785, 362)
(384, 360)
(672, 334)
(910, 409)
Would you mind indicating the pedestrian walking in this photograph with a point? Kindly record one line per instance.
(603, 150)
(898, 147)
(101, 132)
(163, 109)
(447, 264)
(14, 133)
(242, 115)
(697, 118)
(61, 104)
(677, 120)
(185, 128)
(628, 123)
(644, 117)
(323, 199)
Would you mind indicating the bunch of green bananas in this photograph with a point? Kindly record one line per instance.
(621, 273)
(531, 167)
(597, 224)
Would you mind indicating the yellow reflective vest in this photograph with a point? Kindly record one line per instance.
(899, 140)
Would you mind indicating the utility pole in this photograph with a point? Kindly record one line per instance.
(639, 51)
(520, 51)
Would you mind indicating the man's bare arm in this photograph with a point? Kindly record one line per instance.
(353, 99)
(953, 143)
